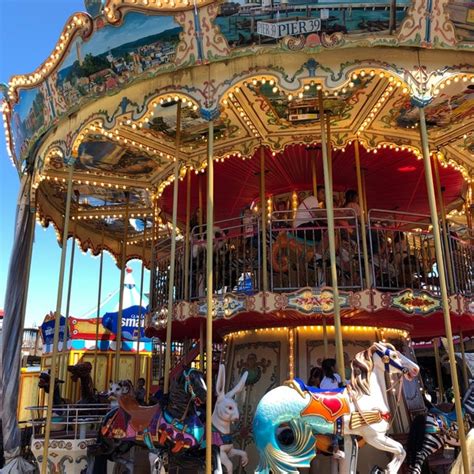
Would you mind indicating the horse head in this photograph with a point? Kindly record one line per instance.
(120, 389)
(226, 410)
(387, 358)
(44, 381)
(81, 370)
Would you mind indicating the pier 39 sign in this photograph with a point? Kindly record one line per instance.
(288, 28)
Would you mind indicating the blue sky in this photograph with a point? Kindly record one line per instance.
(29, 30)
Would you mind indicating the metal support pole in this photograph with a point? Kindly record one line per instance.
(142, 276)
(464, 364)
(57, 321)
(444, 224)
(201, 345)
(439, 374)
(328, 139)
(209, 263)
(314, 173)
(443, 289)
(174, 223)
(187, 243)
(363, 215)
(99, 297)
(63, 369)
(332, 243)
(263, 213)
(118, 340)
(364, 193)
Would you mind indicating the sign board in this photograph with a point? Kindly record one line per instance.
(130, 317)
(47, 330)
(288, 28)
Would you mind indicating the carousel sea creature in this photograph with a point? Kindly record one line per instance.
(82, 372)
(434, 430)
(288, 418)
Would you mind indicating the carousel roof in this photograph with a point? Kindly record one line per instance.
(109, 92)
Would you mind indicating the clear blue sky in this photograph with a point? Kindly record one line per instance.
(29, 30)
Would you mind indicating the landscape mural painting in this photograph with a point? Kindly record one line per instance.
(110, 59)
(461, 13)
(244, 23)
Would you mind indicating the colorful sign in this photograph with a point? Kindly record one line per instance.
(130, 323)
(47, 330)
(416, 302)
(309, 301)
(288, 28)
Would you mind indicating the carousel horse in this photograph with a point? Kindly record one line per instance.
(176, 430)
(360, 409)
(82, 372)
(434, 430)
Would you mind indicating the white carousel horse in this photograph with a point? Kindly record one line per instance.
(361, 409)
(119, 389)
(226, 411)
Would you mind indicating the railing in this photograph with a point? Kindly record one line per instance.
(462, 258)
(299, 256)
(69, 421)
(400, 252)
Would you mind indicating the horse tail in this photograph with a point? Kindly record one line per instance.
(416, 438)
(284, 442)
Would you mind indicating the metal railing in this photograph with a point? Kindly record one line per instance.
(69, 421)
(299, 256)
(400, 247)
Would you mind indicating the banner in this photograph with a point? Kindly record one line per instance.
(47, 331)
(130, 326)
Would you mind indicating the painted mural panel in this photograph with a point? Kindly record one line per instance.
(461, 13)
(245, 23)
(111, 58)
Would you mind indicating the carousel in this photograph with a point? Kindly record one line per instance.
(298, 179)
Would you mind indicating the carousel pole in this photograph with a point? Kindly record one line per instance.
(200, 221)
(57, 320)
(363, 215)
(210, 289)
(439, 375)
(468, 207)
(315, 194)
(99, 297)
(328, 135)
(463, 355)
(174, 223)
(263, 206)
(443, 288)
(187, 243)
(444, 223)
(118, 343)
(68, 304)
(332, 243)
(142, 276)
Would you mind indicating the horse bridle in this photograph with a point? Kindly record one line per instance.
(388, 361)
(188, 387)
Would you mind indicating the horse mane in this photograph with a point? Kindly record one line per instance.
(362, 366)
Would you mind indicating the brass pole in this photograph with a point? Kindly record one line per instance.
(464, 364)
(63, 368)
(364, 193)
(263, 205)
(118, 339)
(99, 297)
(187, 243)
(332, 243)
(328, 127)
(200, 213)
(443, 288)
(201, 345)
(209, 264)
(173, 253)
(439, 374)
(314, 173)
(57, 321)
(444, 223)
(363, 215)
(142, 276)
(468, 206)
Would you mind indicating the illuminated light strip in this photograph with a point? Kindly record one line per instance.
(453, 78)
(6, 113)
(80, 23)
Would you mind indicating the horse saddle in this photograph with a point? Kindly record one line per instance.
(140, 416)
(447, 418)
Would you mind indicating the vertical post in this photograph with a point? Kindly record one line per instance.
(263, 206)
(200, 216)
(443, 288)
(201, 346)
(468, 206)
(142, 276)
(328, 139)
(393, 16)
(363, 215)
(187, 243)
(118, 339)
(291, 350)
(174, 224)
(313, 172)
(57, 321)
(209, 250)
(364, 194)
(99, 297)
(439, 374)
(463, 355)
(332, 243)
(68, 305)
